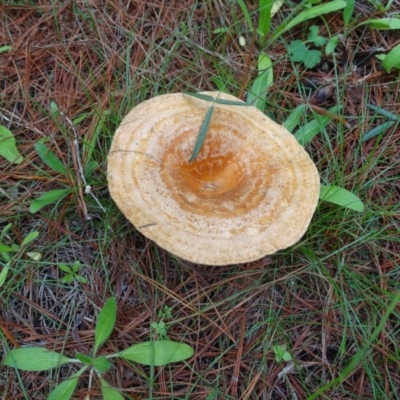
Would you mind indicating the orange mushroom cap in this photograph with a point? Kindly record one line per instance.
(251, 191)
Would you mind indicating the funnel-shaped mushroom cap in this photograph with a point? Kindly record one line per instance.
(251, 191)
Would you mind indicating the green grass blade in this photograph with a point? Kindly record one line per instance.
(342, 197)
(315, 12)
(307, 132)
(105, 323)
(202, 133)
(264, 19)
(361, 353)
(377, 130)
(48, 198)
(160, 352)
(206, 97)
(35, 359)
(246, 14)
(386, 113)
(8, 148)
(383, 23)
(50, 158)
(294, 118)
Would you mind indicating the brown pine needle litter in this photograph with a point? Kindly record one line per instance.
(88, 63)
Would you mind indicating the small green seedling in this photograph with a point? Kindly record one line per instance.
(72, 272)
(165, 313)
(281, 354)
(301, 52)
(160, 329)
(152, 353)
(6, 251)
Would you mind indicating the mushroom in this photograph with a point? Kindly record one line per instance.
(250, 192)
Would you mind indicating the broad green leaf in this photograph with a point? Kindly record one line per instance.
(315, 12)
(258, 92)
(286, 356)
(307, 132)
(312, 58)
(392, 59)
(8, 149)
(294, 118)
(348, 11)
(35, 359)
(161, 352)
(65, 390)
(105, 323)
(202, 134)
(5, 48)
(83, 358)
(383, 23)
(377, 130)
(101, 364)
(6, 249)
(297, 50)
(341, 197)
(108, 392)
(50, 158)
(48, 198)
(29, 238)
(3, 275)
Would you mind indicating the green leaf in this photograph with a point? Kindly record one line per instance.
(246, 14)
(307, 132)
(48, 198)
(315, 12)
(392, 59)
(258, 92)
(286, 356)
(202, 134)
(294, 118)
(50, 158)
(101, 364)
(331, 46)
(81, 279)
(65, 390)
(348, 11)
(83, 358)
(108, 392)
(79, 118)
(35, 359)
(65, 268)
(314, 37)
(3, 275)
(264, 19)
(384, 112)
(342, 197)
(8, 149)
(34, 255)
(312, 58)
(105, 323)
(29, 238)
(90, 167)
(67, 278)
(377, 130)
(297, 50)
(5, 48)
(383, 23)
(206, 97)
(54, 109)
(6, 249)
(161, 352)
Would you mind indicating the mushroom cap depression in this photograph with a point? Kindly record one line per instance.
(251, 191)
